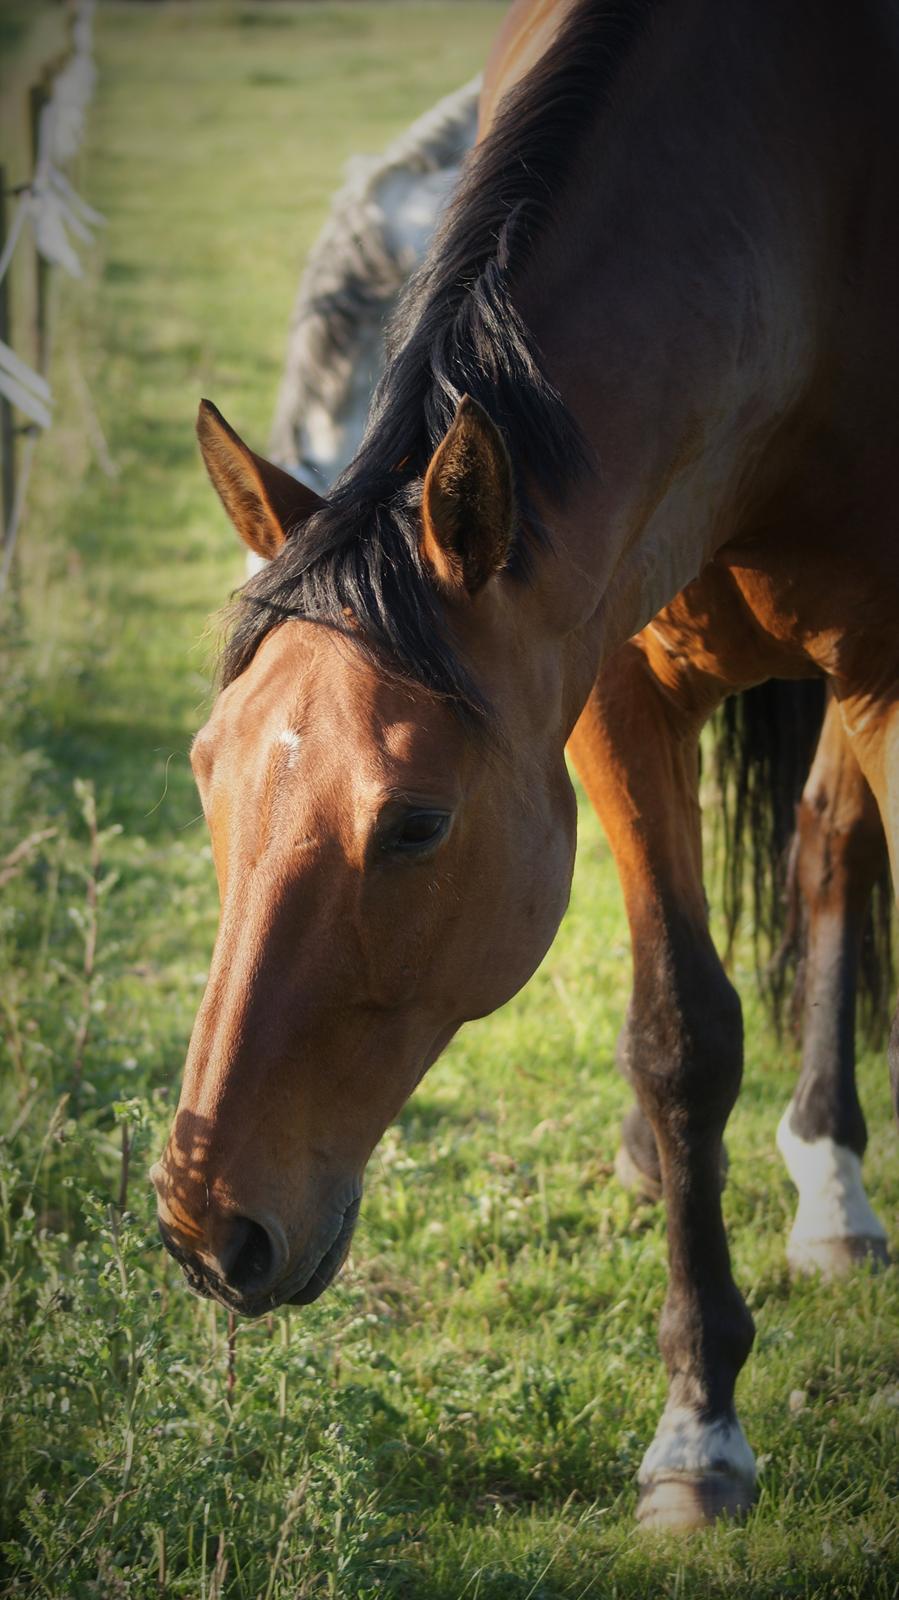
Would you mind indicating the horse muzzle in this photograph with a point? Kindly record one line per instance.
(244, 1261)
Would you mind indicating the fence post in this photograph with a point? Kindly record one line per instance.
(7, 433)
(38, 97)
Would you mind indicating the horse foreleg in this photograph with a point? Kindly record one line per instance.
(637, 753)
(839, 850)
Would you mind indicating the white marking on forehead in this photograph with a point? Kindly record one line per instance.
(291, 742)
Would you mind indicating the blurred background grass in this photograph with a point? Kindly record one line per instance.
(464, 1414)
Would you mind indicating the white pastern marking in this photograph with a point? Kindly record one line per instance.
(832, 1199)
(685, 1442)
(291, 742)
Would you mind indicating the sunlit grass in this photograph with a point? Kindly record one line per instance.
(464, 1414)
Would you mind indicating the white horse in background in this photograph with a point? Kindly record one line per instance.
(376, 234)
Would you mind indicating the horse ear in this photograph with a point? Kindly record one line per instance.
(467, 506)
(265, 503)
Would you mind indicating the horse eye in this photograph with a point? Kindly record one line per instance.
(418, 831)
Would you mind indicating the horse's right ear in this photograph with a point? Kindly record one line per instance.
(265, 503)
(467, 503)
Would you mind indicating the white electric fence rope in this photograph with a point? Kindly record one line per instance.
(20, 217)
(56, 212)
(24, 387)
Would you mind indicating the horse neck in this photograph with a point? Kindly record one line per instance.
(676, 312)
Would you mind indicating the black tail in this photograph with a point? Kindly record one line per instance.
(764, 741)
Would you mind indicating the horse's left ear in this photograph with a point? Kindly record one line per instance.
(265, 503)
(467, 506)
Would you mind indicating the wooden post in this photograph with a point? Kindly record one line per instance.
(7, 433)
(38, 98)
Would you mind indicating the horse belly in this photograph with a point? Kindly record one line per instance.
(710, 640)
(838, 615)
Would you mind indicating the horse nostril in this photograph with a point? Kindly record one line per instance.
(236, 1254)
(249, 1259)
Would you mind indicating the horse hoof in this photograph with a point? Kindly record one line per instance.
(835, 1258)
(686, 1500)
(632, 1177)
(698, 1468)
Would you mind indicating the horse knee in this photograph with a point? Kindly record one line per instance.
(685, 1052)
(637, 1165)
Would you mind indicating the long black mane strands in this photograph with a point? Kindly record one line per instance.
(457, 332)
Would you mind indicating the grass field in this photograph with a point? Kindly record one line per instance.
(464, 1414)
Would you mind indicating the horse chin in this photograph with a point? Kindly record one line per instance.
(315, 1288)
(330, 1264)
(312, 1288)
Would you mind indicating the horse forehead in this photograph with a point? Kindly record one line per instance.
(291, 688)
(316, 702)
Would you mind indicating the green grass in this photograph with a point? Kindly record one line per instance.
(463, 1415)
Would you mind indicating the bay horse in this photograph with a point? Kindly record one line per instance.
(648, 371)
(377, 231)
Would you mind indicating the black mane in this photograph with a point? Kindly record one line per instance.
(457, 332)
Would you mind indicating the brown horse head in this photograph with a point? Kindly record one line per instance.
(386, 872)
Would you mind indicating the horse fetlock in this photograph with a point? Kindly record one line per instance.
(835, 1226)
(705, 1335)
(698, 1468)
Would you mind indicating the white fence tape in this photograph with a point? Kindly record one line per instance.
(55, 209)
(51, 204)
(24, 387)
(12, 238)
(57, 215)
